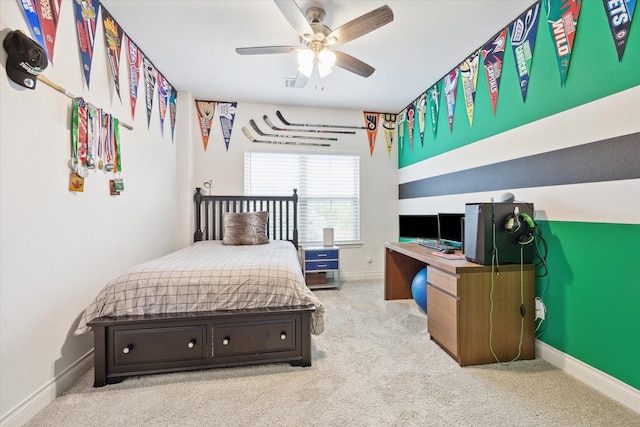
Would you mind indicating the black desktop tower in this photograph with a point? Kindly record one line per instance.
(479, 233)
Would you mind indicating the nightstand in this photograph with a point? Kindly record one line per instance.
(321, 266)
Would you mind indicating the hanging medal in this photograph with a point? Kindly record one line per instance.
(92, 132)
(76, 182)
(118, 182)
(82, 138)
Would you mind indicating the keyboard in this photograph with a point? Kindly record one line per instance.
(434, 244)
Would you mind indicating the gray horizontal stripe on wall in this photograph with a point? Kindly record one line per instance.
(606, 160)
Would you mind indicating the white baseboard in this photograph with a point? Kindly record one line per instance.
(362, 275)
(604, 383)
(29, 407)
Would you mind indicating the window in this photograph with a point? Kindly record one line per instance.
(328, 190)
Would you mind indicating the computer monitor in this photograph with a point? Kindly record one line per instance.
(450, 227)
(418, 226)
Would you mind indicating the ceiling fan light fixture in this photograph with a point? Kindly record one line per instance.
(326, 58)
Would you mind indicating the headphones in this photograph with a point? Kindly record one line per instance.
(514, 222)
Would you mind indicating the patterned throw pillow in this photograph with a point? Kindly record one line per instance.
(245, 228)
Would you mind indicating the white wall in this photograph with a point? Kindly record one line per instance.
(378, 172)
(59, 248)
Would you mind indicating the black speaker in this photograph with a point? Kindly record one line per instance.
(489, 225)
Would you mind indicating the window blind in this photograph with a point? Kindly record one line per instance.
(328, 189)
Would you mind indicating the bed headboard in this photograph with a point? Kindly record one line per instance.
(283, 214)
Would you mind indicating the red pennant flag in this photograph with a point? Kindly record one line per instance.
(86, 15)
(48, 14)
(205, 111)
(371, 121)
(492, 54)
(135, 59)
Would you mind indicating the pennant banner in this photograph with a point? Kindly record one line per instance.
(163, 99)
(492, 54)
(450, 83)
(150, 76)
(433, 99)
(371, 121)
(205, 111)
(112, 42)
(400, 124)
(86, 15)
(48, 15)
(31, 15)
(227, 115)
(523, 37)
(619, 14)
(173, 110)
(469, 76)
(135, 59)
(389, 128)
(422, 116)
(411, 117)
(562, 16)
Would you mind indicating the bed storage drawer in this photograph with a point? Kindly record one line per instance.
(253, 338)
(166, 344)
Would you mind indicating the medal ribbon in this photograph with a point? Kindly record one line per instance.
(82, 131)
(116, 143)
(74, 134)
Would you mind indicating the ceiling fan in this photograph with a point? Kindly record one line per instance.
(316, 56)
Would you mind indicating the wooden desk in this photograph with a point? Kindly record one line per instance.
(459, 303)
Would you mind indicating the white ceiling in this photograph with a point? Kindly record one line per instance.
(192, 42)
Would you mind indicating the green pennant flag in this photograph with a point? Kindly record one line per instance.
(562, 16)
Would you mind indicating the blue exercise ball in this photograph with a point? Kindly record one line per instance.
(419, 289)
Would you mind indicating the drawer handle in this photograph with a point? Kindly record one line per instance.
(322, 265)
(319, 255)
(127, 349)
(192, 343)
(283, 335)
(226, 340)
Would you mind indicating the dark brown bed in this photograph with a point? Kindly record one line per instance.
(151, 343)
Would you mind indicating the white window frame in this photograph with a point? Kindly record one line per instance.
(328, 190)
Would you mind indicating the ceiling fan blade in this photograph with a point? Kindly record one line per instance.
(352, 64)
(265, 50)
(296, 18)
(362, 25)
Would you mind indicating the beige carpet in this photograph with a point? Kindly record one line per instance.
(373, 366)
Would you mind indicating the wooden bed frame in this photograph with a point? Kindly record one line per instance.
(128, 346)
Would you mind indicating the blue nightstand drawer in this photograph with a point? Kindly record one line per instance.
(321, 265)
(320, 254)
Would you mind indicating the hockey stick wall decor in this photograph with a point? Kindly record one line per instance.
(274, 127)
(259, 132)
(279, 114)
(250, 137)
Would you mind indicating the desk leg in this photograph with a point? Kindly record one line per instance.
(399, 271)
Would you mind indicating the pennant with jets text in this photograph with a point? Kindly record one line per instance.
(619, 14)
(163, 99)
(492, 54)
(401, 121)
(150, 76)
(86, 15)
(411, 120)
(31, 15)
(227, 115)
(523, 36)
(389, 129)
(433, 99)
(112, 42)
(205, 111)
(469, 76)
(49, 14)
(135, 60)
(562, 16)
(422, 115)
(173, 97)
(371, 122)
(450, 84)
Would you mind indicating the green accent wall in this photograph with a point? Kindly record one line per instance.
(594, 72)
(593, 294)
